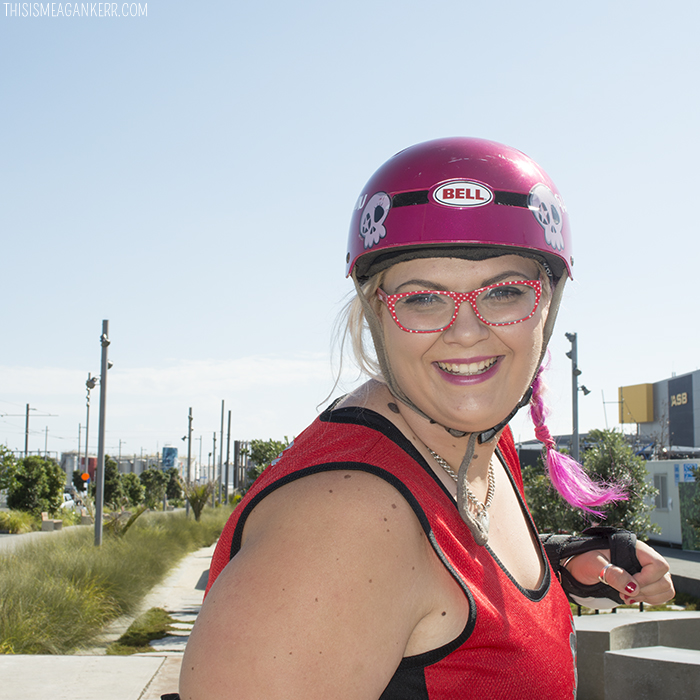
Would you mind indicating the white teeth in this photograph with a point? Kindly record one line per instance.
(467, 369)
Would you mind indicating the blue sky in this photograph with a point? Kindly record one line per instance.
(189, 175)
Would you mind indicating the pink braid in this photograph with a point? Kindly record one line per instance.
(565, 473)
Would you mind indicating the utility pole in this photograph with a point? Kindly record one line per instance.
(26, 424)
(189, 458)
(228, 454)
(236, 462)
(575, 371)
(213, 468)
(221, 448)
(79, 439)
(100, 481)
(90, 383)
(26, 432)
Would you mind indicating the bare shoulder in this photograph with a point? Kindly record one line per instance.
(320, 601)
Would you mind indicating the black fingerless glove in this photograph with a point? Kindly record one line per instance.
(621, 544)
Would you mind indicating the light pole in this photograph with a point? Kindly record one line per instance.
(90, 383)
(221, 449)
(228, 454)
(189, 459)
(575, 388)
(100, 481)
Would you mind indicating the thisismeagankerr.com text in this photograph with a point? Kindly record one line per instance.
(75, 9)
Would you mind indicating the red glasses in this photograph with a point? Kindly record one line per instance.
(501, 304)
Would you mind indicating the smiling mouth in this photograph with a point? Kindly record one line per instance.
(466, 370)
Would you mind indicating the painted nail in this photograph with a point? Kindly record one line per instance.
(631, 587)
(632, 602)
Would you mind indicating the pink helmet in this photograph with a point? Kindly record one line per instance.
(458, 197)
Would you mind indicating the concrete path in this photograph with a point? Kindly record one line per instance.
(95, 675)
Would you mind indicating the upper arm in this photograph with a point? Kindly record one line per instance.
(319, 602)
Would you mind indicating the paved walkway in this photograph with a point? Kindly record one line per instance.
(93, 675)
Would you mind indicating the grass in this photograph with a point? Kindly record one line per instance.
(57, 594)
(17, 522)
(156, 623)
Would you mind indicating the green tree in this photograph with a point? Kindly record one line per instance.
(612, 460)
(262, 452)
(113, 484)
(609, 459)
(197, 495)
(8, 464)
(80, 485)
(154, 482)
(36, 486)
(550, 511)
(691, 537)
(173, 489)
(133, 489)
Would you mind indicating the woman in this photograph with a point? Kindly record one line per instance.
(389, 553)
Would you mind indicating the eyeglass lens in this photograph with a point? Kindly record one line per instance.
(499, 304)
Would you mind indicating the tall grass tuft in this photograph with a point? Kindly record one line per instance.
(57, 594)
(17, 522)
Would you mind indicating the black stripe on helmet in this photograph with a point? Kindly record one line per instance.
(408, 199)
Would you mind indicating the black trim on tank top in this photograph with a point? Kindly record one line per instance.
(358, 415)
(420, 660)
(411, 667)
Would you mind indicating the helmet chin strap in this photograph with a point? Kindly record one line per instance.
(377, 332)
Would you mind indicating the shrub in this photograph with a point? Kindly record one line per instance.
(173, 489)
(113, 492)
(17, 522)
(8, 464)
(610, 459)
(133, 489)
(36, 485)
(154, 482)
(197, 495)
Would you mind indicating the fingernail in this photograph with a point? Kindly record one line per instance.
(631, 587)
(632, 602)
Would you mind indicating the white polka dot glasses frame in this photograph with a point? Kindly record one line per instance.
(433, 311)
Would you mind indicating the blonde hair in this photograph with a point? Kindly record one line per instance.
(352, 326)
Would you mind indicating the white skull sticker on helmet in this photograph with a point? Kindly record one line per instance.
(372, 220)
(548, 209)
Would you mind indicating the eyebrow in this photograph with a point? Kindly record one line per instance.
(430, 285)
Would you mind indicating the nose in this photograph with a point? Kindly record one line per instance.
(467, 328)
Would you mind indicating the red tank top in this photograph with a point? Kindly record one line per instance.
(517, 643)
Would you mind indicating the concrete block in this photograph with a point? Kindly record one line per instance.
(649, 673)
(599, 634)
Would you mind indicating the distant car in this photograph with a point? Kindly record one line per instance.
(68, 501)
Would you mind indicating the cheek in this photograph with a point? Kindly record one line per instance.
(402, 347)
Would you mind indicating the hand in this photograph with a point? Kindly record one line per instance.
(651, 585)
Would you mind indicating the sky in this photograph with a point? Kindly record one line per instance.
(188, 170)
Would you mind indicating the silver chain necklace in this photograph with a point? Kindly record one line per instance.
(478, 522)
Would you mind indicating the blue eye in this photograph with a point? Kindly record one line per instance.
(509, 292)
(421, 299)
(424, 301)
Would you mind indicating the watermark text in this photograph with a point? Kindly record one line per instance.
(75, 9)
